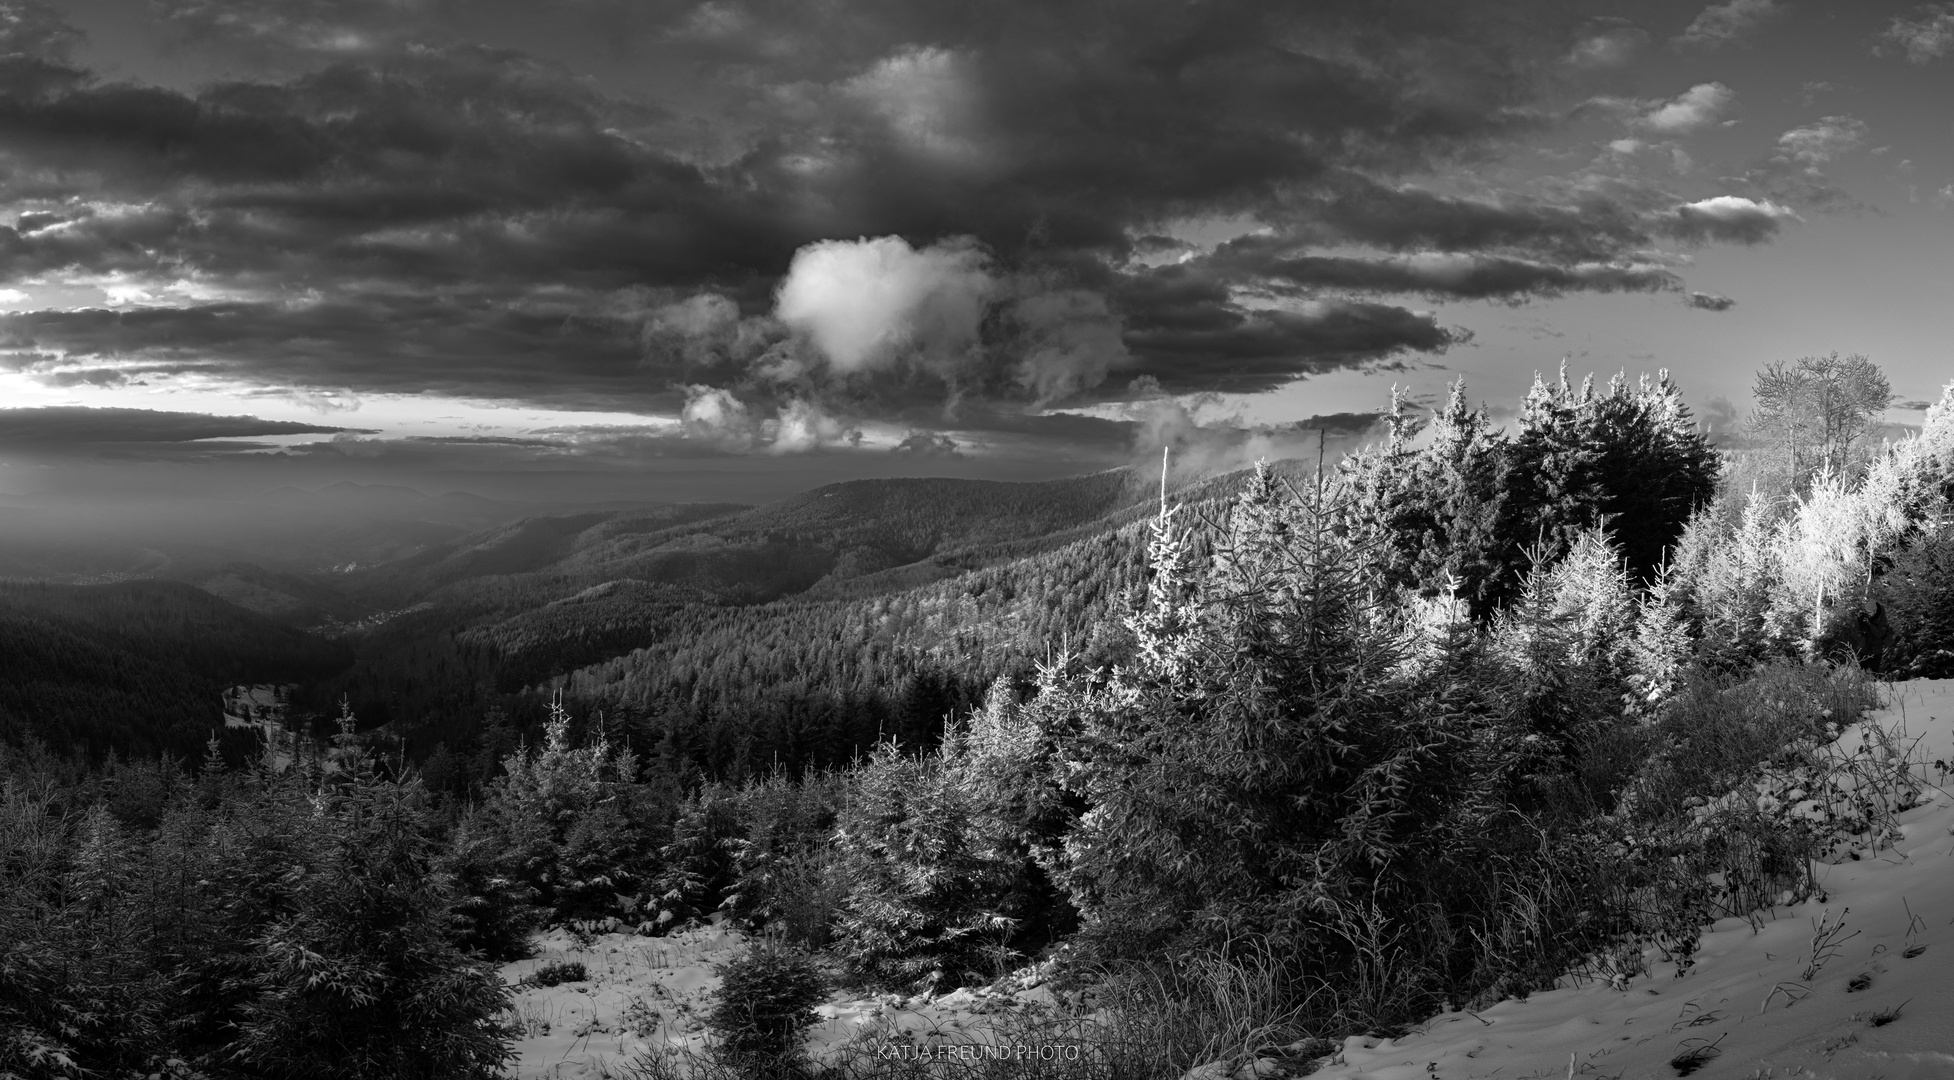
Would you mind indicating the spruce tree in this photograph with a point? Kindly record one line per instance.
(921, 907)
(358, 977)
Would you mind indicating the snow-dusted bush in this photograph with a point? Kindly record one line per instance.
(923, 891)
(780, 864)
(766, 999)
(698, 866)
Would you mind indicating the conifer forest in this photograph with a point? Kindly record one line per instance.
(976, 540)
(1426, 728)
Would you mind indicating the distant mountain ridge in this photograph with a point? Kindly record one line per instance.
(737, 554)
(860, 607)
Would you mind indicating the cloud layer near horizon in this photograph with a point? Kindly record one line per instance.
(825, 215)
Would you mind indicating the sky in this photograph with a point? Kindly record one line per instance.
(732, 249)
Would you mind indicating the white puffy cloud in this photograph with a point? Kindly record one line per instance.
(716, 417)
(1728, 218)
(1699, 107)
(866, 303)
(803, 426)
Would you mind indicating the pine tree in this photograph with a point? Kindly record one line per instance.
(921, 909)
(358, 977)
(1662, 646)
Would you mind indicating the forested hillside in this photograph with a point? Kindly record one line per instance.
(138, 667)
(782, 634)
(731, 638)
(1282, 757)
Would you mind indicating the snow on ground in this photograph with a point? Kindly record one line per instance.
(646, 992)
(1747, 997)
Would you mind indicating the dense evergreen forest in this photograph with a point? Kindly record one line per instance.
(1473, 709)
(140, 667)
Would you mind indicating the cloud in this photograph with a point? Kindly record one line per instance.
(1721, 420)
(1201, 447)
(721, 420)
(717, 417)
(926, 97)
(1927, 34)
(803, 426)
(928, 444)
(1352, 209)
(1727, 218)
(1068, 341)
(1206, 345)
(29, 28)
(1816, 143)
(1471, 277)
(1611, 47)
(1709, 301)
(64, 425)
(1727, 23)
(868, 303)
(865, 214)
(1699, 107)
(459, 346)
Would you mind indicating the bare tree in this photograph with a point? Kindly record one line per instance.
(1817, 410)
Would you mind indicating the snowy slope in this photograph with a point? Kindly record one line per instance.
(643, 993)
(1747, 996)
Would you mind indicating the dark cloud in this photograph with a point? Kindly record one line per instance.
(1709, 301)
(1472, 277)
(59, 425)
(384, 343)
(1354, 209)
(386, 205)
(270, 31)
(1207, 347)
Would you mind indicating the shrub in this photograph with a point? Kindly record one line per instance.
(766, 999)
(556, 973)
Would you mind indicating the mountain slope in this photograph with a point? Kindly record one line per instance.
(139, 666)
(802, 630)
